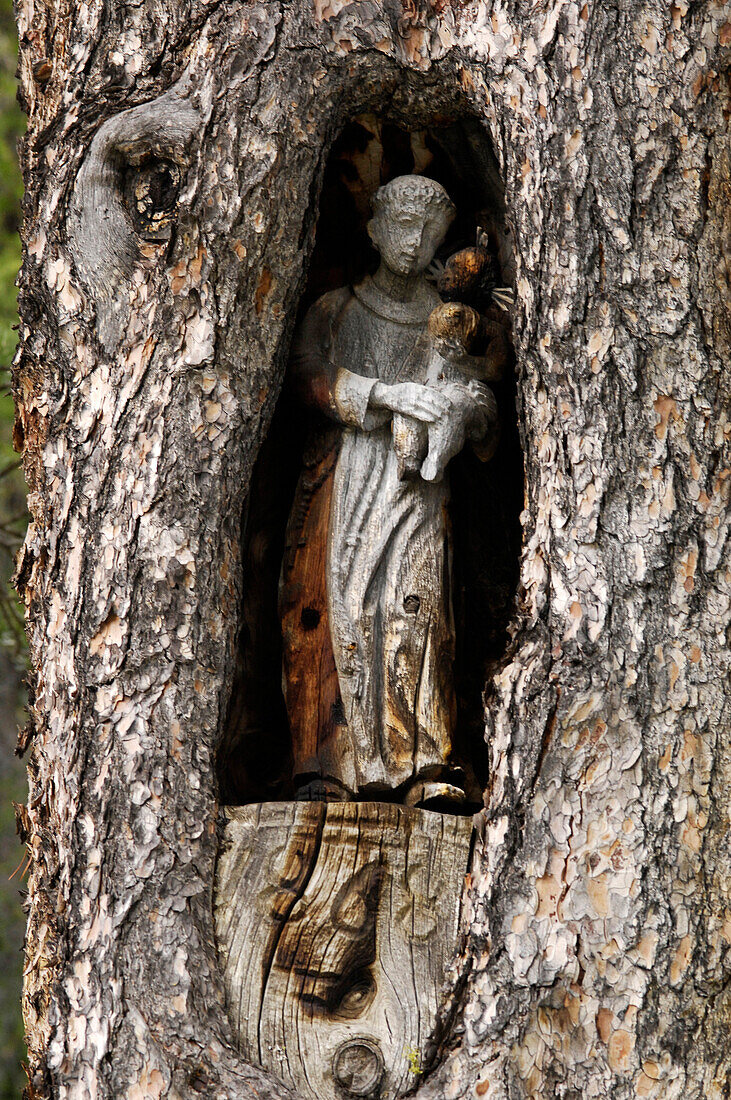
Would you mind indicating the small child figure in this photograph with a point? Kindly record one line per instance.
(426, 449)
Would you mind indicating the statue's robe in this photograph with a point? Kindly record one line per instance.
(366, 578)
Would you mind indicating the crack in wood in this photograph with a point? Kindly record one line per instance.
(305, 854)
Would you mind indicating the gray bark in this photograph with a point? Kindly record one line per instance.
(597, 947)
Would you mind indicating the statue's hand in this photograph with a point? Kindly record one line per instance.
(448, 437)
(460, 412)
(410, 399)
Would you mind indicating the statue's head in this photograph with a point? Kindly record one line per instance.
(411, 216)
(453, 328)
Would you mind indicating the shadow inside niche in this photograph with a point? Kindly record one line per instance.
(255, 758)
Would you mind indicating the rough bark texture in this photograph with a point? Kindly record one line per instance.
(597, 959)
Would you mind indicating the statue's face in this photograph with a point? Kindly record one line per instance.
(407, 237)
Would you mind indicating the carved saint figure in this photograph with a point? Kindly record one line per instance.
(366, 605)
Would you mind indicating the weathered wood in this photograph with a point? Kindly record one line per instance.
(335, 925)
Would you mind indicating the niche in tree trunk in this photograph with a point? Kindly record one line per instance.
(381, 539)
(273, 741)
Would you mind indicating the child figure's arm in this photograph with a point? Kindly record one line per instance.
(480, 368)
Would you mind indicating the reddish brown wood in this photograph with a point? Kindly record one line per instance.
(309, 675)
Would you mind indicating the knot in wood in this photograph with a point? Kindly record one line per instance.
(358, 1067)
(151, 190)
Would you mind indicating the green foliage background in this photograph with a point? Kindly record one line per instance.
(12, 525)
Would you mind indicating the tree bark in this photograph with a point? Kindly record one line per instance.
(151, 358)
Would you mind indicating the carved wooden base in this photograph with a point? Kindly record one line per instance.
(335, 924)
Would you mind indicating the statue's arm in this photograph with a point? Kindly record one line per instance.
(368, 403)
(473, 417)
(348, 396)
(320, 380)
(312, 372)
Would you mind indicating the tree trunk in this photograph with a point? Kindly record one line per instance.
(151, 358)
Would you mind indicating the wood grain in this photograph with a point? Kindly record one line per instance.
(335, 925)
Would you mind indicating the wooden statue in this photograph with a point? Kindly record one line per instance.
(366, 603)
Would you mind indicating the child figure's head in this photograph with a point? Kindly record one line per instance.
(453, 328)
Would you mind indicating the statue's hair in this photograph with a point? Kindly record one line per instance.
(427, 193)
(454, 321)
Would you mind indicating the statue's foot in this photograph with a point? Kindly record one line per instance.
(322, 790)
(434, 795)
